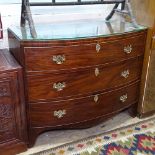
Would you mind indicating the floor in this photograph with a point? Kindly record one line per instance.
(56, 138)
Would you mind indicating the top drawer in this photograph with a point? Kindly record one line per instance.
(82, 55)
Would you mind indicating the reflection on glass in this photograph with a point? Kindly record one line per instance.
(35, 1)
(66, 1)
(76, 29)
(90, 0)
(109, 27)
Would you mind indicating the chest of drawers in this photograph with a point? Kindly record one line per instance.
(78, 82)
(13, 134)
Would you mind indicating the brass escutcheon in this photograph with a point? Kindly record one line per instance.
(96, 98)
(97, 72)
(98, 47)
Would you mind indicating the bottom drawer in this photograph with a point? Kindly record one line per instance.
(81, 109)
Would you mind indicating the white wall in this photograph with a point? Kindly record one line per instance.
(11, 14)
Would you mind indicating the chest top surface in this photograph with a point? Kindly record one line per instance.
(73, 30)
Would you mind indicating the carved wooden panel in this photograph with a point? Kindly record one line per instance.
(6, 136)
(6, 122)
(4, 89)
(6, 114)
(12, 114)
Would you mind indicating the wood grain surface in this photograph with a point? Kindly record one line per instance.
(82, 109)
(92, 81)
(82, 54)
(83, 81)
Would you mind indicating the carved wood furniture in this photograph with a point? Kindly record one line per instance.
(146, 16)
(13, 133)
(78, 79)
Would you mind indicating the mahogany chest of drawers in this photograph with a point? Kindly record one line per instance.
(76, 83)
(13, 133)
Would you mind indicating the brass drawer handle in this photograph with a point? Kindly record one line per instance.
(59, 114)
(125, 74)
(123, 98)
(128, 49)
(97, 72)
(96, 97)
(98, 47)
(59, 59)
(59, 86)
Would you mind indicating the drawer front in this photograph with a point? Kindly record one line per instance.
(73, 83)
(82, 109)
(81, 55)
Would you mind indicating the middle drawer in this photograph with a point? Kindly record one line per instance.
(55, 85)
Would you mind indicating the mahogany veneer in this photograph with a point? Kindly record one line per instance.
(76, 108)
(78, 83)
(83, 81)
(79, 54)
(13, 133)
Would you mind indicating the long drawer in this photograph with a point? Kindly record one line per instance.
(84, 81)
(82, 109)
(82, 55)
